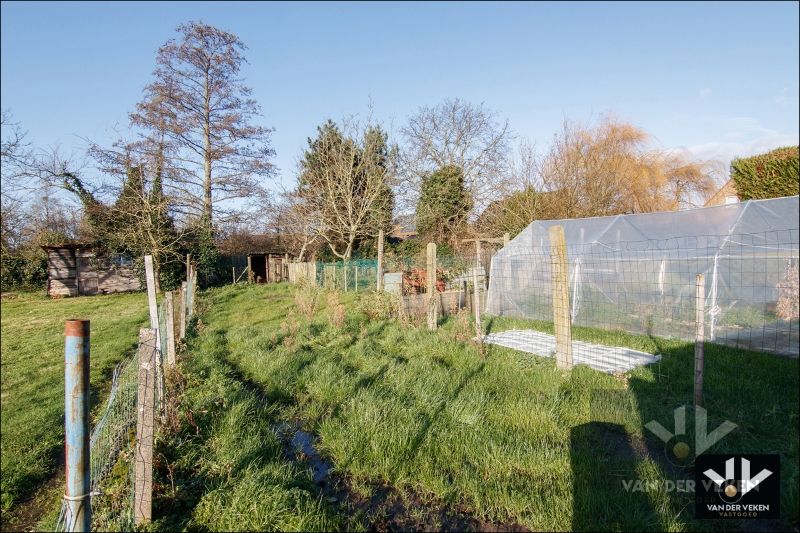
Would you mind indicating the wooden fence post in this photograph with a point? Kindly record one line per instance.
(476, 292)
(249, 269)
(699, 314)
(431, 288)
(380, 261)
(170, 310)
(234, 275)
(561, 312)
(145, 426)
(183, 310)
(152, 303)
(151, 291)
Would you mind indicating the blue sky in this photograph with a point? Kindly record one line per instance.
(718, 79)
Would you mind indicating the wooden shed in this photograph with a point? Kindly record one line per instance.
(75, 270)
(267, 267)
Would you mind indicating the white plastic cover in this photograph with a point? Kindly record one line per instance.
(637, 272)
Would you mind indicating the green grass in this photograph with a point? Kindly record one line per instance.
(502, 434)
(32, 435)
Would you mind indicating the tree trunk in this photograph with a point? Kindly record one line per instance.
(207, 204)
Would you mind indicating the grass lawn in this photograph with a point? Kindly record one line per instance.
(501, 436)
(32, 436)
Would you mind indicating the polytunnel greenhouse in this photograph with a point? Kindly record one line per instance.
(637, 274)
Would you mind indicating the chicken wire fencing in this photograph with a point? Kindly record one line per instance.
(351, 275)
(636, 274)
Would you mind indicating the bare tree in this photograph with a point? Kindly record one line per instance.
(523, 199)
(345, 185)
(298, 223)
(200, 104)
(460, 134)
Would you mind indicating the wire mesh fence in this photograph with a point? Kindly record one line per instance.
(110, 455)
(113, 439)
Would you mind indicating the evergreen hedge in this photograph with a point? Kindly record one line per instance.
(770, 175)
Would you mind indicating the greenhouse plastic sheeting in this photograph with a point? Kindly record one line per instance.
(637, 273)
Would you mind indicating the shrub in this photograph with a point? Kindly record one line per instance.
(770, 175)
(378, 305)
(306, 298)
(23, 272)
(336, 310)
(789, 295)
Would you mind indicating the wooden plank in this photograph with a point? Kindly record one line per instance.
(431, 286)
(495, 240)
(62, 273)
(151, 291)
(380, 261)
(145, 427)
(61, 288)
(699, 358)
(476, 292)
(169, 309)
(182, 320)
(61, 258)
(561, 309)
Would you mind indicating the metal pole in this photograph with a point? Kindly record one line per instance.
(76, 425)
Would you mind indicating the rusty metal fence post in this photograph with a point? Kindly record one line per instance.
(76, 425)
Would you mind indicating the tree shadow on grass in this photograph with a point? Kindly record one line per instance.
(430, 419)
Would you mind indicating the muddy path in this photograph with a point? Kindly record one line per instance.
(386, 509)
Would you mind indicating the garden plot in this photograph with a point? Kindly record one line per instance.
(608, 359)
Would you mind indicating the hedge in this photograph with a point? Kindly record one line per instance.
(769, 175)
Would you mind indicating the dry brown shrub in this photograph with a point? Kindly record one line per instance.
(336, 310)
(307, 300)
(788, 307)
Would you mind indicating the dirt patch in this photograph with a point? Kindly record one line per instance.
(386, 509)
(26, 515)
